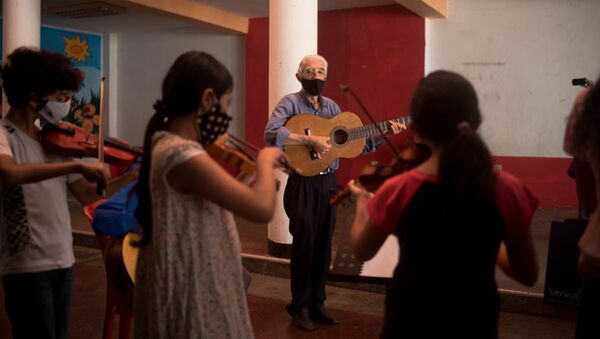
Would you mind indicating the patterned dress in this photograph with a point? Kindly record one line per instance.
(189, 278)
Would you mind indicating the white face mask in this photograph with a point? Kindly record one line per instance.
(55, 111)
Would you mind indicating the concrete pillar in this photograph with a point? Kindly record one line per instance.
(292, 35)
(110, 67)
(21, 26)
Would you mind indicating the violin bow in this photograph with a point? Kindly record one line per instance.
(347, 89)
(101, 185)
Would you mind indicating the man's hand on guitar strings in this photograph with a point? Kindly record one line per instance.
(395, 127)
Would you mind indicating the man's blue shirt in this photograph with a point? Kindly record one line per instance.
(297, 103)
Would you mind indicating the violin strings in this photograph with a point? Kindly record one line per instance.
(246, 144)
(242, 150)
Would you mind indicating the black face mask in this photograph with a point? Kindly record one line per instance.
(313, 87)
(212, 124)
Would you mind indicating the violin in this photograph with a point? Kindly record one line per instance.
(69, 140)
(375, 174)
(238, 154)
(228, 150)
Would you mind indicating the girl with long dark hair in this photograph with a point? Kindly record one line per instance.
(189, 274)
(455, 219)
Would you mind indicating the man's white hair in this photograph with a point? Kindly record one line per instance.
(304, 60)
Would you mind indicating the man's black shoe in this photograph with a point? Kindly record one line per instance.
(290, 310)
(320, 314)
(302, 321)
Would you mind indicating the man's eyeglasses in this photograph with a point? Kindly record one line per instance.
(311, 72)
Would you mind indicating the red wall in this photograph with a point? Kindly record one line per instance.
(546, 177)
(380, 53)
(257, 80)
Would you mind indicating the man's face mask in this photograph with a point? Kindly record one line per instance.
(55, 111)
(212, 124)
(312, 86)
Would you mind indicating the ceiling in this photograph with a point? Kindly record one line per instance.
(135, 18)
(260, 8)
(132, 19)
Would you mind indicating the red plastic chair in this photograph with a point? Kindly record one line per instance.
(114, 304)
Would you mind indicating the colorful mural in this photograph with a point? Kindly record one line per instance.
(85, 50)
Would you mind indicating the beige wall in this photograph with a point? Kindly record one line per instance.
(521, 56)
(143, 59)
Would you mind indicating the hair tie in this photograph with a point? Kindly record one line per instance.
(161, 110)
(463, 126)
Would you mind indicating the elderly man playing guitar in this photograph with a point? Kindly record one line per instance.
(306, 197)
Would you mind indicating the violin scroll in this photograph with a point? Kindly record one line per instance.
(583, 82)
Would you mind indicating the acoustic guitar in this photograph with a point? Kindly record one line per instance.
(347, 137)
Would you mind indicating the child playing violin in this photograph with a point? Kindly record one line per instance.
(36, 253)
(455, 220)
(189, 273)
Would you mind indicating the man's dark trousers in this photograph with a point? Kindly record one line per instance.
(312, 221)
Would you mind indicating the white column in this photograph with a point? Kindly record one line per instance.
(112, 72)
(21, 25)
(292, 35)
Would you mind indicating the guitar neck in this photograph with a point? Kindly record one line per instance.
(372, 130)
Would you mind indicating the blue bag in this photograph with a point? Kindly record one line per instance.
(116, 216)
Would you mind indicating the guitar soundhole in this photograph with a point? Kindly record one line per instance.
(340, 137)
